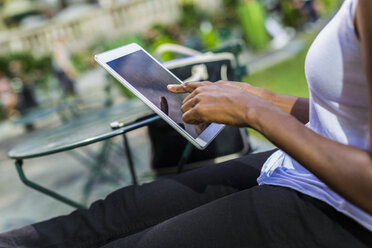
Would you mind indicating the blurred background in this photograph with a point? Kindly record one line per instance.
(48, 76)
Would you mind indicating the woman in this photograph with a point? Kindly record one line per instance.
(314, 192)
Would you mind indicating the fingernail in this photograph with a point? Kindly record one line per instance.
(171, 85)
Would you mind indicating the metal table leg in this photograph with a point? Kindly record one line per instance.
(35, 186)
(95, 162)
(130, 160)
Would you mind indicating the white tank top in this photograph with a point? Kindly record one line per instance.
(339, 107)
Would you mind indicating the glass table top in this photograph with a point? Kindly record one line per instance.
(85, 130)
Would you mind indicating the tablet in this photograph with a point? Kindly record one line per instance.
(148, 79)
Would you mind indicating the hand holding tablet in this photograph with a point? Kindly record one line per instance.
(149, 80)
(215, 102)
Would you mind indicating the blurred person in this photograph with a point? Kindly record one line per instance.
(62, 66)
(315, 191)
(310, 9)
(23, 87)
(8, 99)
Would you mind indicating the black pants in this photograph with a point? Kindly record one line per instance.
(215, 206)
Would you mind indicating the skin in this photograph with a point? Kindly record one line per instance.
(280, 118)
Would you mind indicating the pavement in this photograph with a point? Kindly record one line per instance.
(20, 205)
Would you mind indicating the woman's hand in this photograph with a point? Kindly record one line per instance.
(222, 102)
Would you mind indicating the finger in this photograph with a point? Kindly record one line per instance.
(186, 87)
(176, 88)
(189, 104)
(205, 86)
(190, 96)
(192, 117)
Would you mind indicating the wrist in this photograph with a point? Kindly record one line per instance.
(251, 118)
(263, 93)
(266, 94)
(266, 117)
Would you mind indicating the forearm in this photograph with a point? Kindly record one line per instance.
(296, 106)
(345, 169)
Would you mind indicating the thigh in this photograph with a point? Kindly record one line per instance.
(263, 216)
(135, 208)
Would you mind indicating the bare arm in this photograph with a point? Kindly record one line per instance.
(346, 169)
(296, 106)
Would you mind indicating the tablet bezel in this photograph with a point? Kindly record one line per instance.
(202, 141)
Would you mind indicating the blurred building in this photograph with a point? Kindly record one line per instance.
(82, 23)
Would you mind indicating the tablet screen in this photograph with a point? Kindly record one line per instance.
(151, 80)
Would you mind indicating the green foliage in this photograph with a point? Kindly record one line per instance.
(291, 16)
(27, 60)
(228, 15)
(43, 63)
(163, 40)
(82, 60)
(2, 114)
(231, 4)
(329, 6)
(160, 34)
(3, 65)
(191, 16)
(287, 77)
(124, 41)
(210, 39)
(33, 69)
(252, 17)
